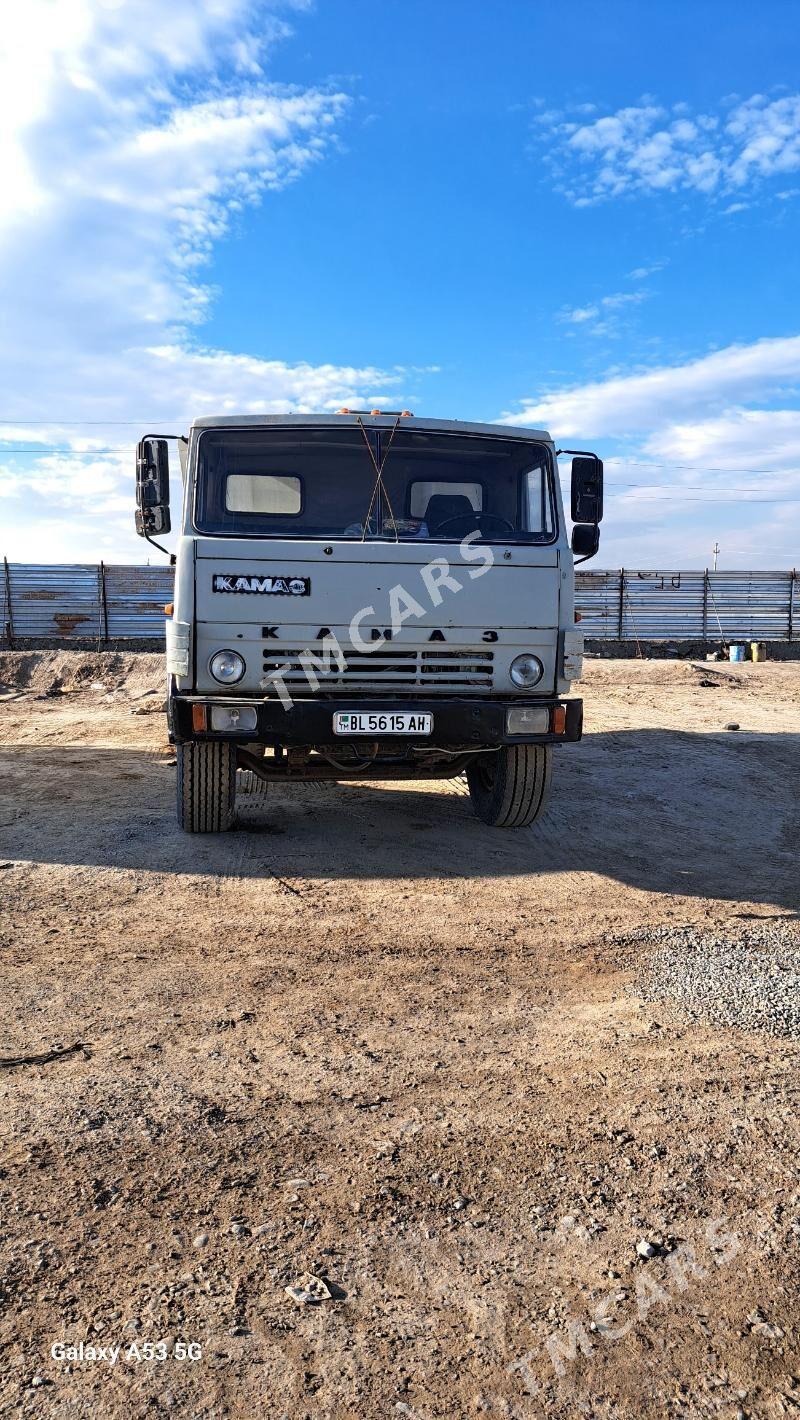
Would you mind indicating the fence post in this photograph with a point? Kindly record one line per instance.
(792, 581)
(705, 604)
(103, 601)
(621, 615)
(8, 603)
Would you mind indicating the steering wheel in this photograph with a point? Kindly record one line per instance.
(474, 521)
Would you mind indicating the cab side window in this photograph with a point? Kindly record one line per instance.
(539, 516)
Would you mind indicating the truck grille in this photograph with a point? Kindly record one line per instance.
(388, 672)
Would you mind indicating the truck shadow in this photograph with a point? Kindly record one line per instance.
(711, 815)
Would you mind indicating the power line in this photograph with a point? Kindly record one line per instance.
(689, 487)
(87, 423)
(692, 487)
(692, 467)
(70, 453)
(676, 498)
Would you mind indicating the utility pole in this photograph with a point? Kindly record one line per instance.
(715, 552)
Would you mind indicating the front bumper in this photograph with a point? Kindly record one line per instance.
(456, 721)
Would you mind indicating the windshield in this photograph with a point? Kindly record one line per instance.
(323, 483)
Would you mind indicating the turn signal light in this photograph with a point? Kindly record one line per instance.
(376, 411)
(559, 719)
(199, 717)
(579, 616)
(406, 414)
(169, 608)
(343, 411)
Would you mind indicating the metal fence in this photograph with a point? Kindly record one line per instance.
(629, 605)
(110, 603)
(75, 603)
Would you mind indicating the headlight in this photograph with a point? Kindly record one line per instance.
(230, 718)
(520, 720)
(526, 671)
(227, 667)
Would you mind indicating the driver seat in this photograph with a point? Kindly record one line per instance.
(443, 506)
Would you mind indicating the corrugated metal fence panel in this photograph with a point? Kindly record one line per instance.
(54, 601)
(135, 598)
(662, 606)
(749, 605)
(687, 606)
(597, 599)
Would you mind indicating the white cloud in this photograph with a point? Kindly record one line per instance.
(129, 175)
(133, 134)
(655, 398)
(757, 439)
(643, 148)
(622, 298)
(692, 453)
(768, 135)
(641, 273)
(601, 315)
(577, 315)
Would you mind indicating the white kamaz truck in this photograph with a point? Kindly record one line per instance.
(368, 594)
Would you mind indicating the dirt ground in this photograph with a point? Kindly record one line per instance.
(367, 1038)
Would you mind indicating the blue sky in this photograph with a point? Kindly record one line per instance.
(580, 216)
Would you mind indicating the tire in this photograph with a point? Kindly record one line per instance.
(206, 786)
(510, 788)
(250, 785)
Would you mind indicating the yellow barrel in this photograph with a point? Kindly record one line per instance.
(758, 651)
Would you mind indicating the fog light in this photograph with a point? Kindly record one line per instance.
(227, 667)
(233, 718)
(526, 670)
(527, 720)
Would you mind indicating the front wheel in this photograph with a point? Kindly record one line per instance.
(510, 788)
(206, 786)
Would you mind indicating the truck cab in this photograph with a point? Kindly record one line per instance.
(370, 595)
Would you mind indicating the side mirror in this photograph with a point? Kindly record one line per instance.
(152, 487)
(585, 539)
(587, 489)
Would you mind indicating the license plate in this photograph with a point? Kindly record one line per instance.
(382, 722)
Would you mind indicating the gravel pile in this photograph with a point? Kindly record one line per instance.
(749, 977)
